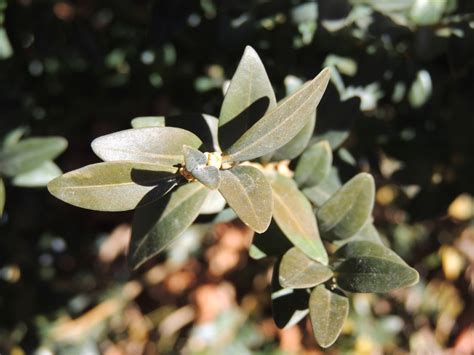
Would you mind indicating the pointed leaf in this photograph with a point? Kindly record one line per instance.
(299, 271)
(156, 145)
(113, 186)
(278, 126)
(328, 311)
(314, 165)
(298, 144)
(289, 306)
(193, 158)
(39, 176)
(249, 194)
(2, 196)
(249, 96)
(347, 211)
(148, 121)
(29, 153)
(294, 215)
(157, 225)
(13, 137)
(370, 267)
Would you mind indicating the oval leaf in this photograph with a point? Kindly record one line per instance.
(249, 96)
(113, 186)
(280, 125)
(347, 211)
(156, 145)
(294, 215)
(314, 165)
(29, 153)
(157, 225)
(328, 311)
(39, 176)
(371, 267)
(299, 271)
(320, 193)
(249, 194)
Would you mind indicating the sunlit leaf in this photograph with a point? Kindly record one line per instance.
(371, 267)
(249, 96)
(39, 176)
(113, 186)
(294, 215)
(249, 194)
(2, 196)
(289, 306)
(156, 145)
(278, 126)
(298, 144)
(347, 211)
(328, 311)
(148, 121)
(314, 165)
(196, 163)
(29, 153)
(299, 271)
(157, 225)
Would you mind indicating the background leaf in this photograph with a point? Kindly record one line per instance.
(299, 271)
(214, 203)
(156, 145)
(113, 186)
(280, 125)
(148, 121)
(347, 211)
(39, 176)
(249, 194)
(320, 193)
(2, 196)
(29, 153)
(328, 311)
(248, 97)
(314, 165)
(270, 243)
(294, 215)
(157, 225)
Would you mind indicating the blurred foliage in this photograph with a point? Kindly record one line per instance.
(83, 69)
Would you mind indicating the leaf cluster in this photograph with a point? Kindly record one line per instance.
(169, 175)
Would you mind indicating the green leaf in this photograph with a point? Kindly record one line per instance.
(314, 165)
(148, 121)
(14, 136)
(2, 196)
(157, 225)
(289, 306)
(29, 153)
(214, 203)
(299, 271)
(249, 96)
(328, 311)
(39, 176)
(347, 211)
(113, 186)
(368, 233)
(294, 215)
(370, 267)
(249, 194)
(298, 144)
(156, 145)
(320, 193)
(278, 126)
